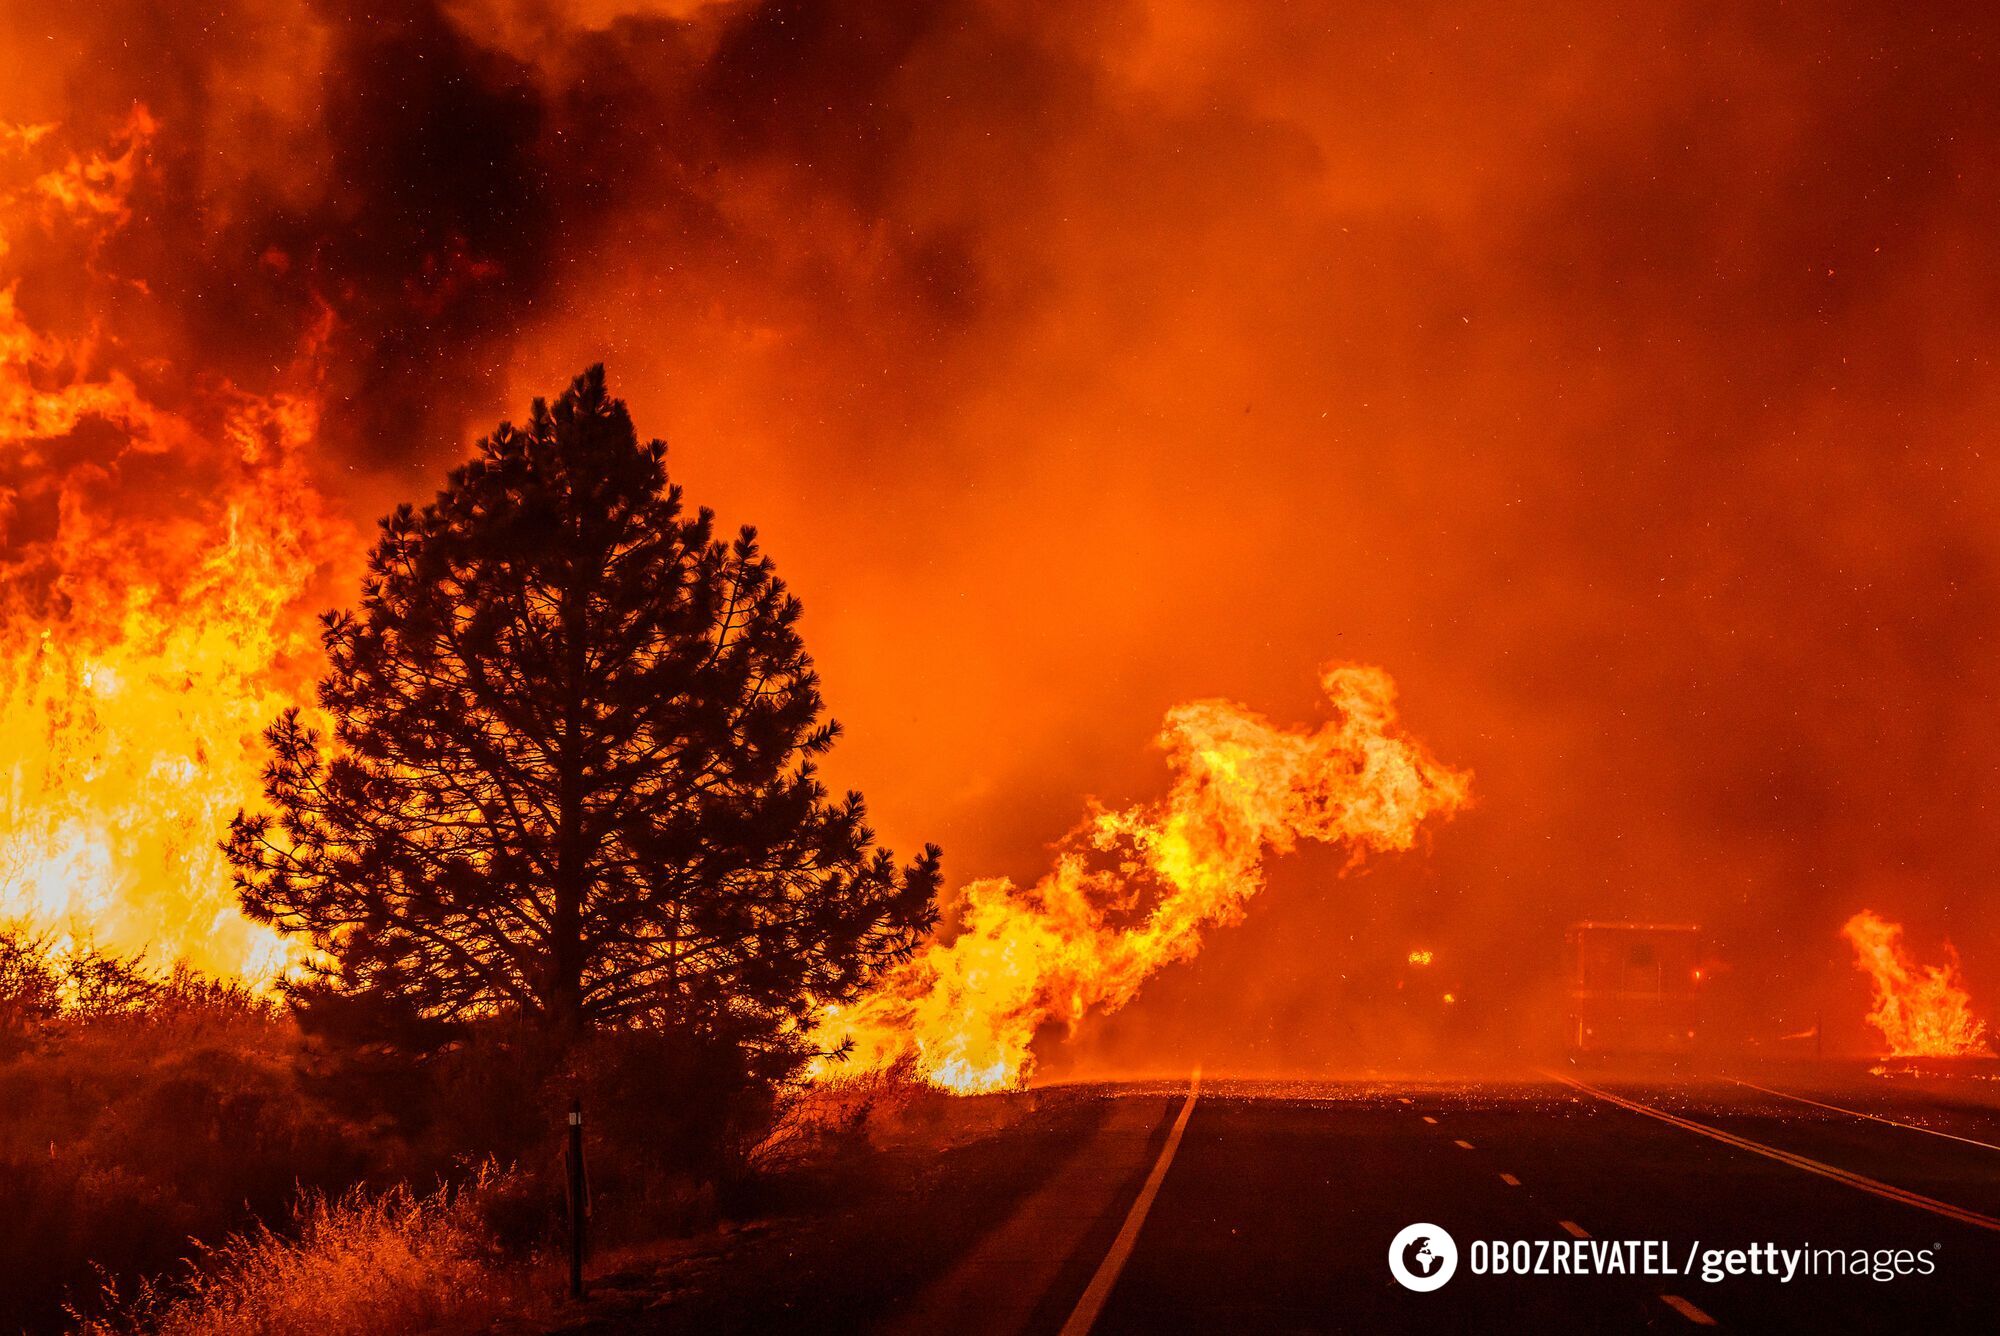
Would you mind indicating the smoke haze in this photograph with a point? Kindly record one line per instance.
(1622, 385)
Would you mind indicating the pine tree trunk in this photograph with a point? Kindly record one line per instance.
(566, 985)
(566, 991)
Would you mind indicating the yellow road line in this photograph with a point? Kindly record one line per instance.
(1688, 1310)
(1084, 1316)
(1510, 1180)
(1886, 1191)
(1871, 1117)
(1466, 1144)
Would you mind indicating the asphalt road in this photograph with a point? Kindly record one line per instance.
(1275, 1211)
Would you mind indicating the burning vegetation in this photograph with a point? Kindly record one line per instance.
(1134, 890)
(270, 263)
(1923, 1011)
(158, 542)
(165, 539)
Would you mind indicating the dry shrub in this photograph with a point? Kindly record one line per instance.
(50, 987)
(140, 1108)
(355, 1265)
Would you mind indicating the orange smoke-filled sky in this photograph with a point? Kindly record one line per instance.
(1621, 382)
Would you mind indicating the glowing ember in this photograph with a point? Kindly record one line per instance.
(1922, 1010)
(154, 551)
(1420, 957)
(1087, 935)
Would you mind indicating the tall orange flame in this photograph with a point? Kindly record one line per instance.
(1922, 1010)
(1087, 935)
(153, 559)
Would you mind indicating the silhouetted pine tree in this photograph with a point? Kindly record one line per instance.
(570, 777)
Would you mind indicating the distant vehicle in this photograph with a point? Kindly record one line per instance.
(1633, 988)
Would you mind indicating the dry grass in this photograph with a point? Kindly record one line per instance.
(357, 1265)
(881, 1110)
(815, 1118)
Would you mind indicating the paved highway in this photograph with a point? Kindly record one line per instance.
(1270, 1208)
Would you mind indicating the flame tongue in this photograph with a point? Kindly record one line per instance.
(1922, 1010)
(1081, 939)
(153, 561)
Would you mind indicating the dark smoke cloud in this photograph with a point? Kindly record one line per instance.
(381, 169)
(1624, 385)
(425, 174)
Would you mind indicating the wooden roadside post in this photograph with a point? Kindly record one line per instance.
(579, 1200)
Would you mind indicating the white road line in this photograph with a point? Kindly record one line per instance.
(1871, 1117)
(1432, 1121)
(1466, 1144)
(1510, 1180)
(1084, 1316)
(1688, 1310)
(1576, 1231)
(1886, 1191)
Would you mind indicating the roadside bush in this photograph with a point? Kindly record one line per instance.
(149, 1108)
(667, 1118)
(142, 1110)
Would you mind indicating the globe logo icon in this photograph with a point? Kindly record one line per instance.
(1422, 1257)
